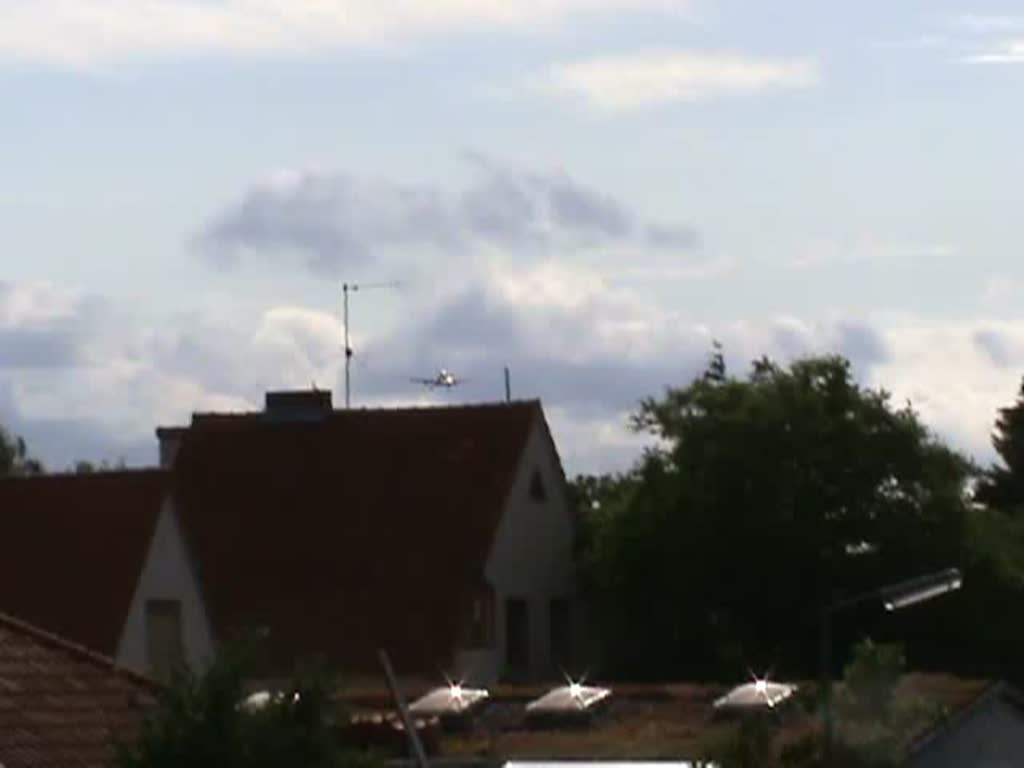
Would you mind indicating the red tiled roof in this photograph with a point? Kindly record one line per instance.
(366, 529)
(74, 546)
(61, 705)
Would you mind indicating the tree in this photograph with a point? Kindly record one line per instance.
(14, 458)
(743, 524)
(203, 721)
(1002, 486)
(85, 467)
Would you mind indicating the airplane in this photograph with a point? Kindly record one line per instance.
(444, 378)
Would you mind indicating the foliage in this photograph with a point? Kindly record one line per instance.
(725, 542)
(1002, 486)
(14, 458)
(875, 723)
(748, 745)
(201, 723)
(871, 679)
(84, 467)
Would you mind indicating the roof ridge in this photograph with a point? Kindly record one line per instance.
(247, 416)
(75, 650)
(479, 405)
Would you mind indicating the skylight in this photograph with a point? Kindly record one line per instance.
(568, 699)
(756, 695)
(453, 699)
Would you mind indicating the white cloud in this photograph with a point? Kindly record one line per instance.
(988, 22)
(1001, 289)
(637, 80)
(588, 349)
(920, 42)
(860, 250)
(1006, 52)
(86, 33)
(954, 375)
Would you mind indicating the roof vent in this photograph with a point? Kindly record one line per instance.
(298, 405)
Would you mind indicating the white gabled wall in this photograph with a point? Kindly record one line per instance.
(167, 574)
(532, 556)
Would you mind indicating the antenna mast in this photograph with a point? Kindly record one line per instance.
(345, 288)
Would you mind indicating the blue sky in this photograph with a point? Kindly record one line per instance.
(586, 190)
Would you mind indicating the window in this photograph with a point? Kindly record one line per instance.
(517, 635)
(478, 629)
(560, 628)
(164, 644)
(537, 490)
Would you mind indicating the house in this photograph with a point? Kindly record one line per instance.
(443, 535)
(987, 733)
(100, 559)
(64, 705)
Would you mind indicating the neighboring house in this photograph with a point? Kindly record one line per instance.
(99, 559)
(62, 705)
(988, 733)
(443, 535)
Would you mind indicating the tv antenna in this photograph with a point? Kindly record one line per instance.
(345, 288)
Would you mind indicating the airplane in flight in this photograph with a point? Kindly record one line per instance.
(444, 378)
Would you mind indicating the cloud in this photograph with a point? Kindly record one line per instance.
(62, 442)
(860, 250)
(667, 236)
(987, 22)
(588, 348)
(920, 42)
(43, 327)
(636, 80)
(1001, 289)
(575, 340)
(1005, 52)
(90, 33)
(333, 219)
(957, 375)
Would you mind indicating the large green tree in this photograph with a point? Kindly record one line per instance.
(767, 496)
(14, 456)
(1002, 486)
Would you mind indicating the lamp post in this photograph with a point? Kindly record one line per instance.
(893, 598)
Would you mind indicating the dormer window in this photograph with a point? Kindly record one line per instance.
(537, 490)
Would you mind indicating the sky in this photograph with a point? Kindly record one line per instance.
(589, 192)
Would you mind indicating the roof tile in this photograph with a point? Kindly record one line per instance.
(62, 705)
(74, 548)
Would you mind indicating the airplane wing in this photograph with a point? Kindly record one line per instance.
(426, 382)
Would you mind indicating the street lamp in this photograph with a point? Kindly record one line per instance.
(893, 598)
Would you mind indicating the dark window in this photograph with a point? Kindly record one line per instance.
(537, 490)
(517, 635)
(165, 648)
(561, 632)
(479, 625)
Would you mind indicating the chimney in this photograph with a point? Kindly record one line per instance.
(170, 441)
(298, 405)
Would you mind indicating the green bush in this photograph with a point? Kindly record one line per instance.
(871, 680)
(201, 721)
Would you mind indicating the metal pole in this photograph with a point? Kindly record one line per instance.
(346, 287)
(348, 351)
(414, 738)
(826, 686)
(508, 386)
